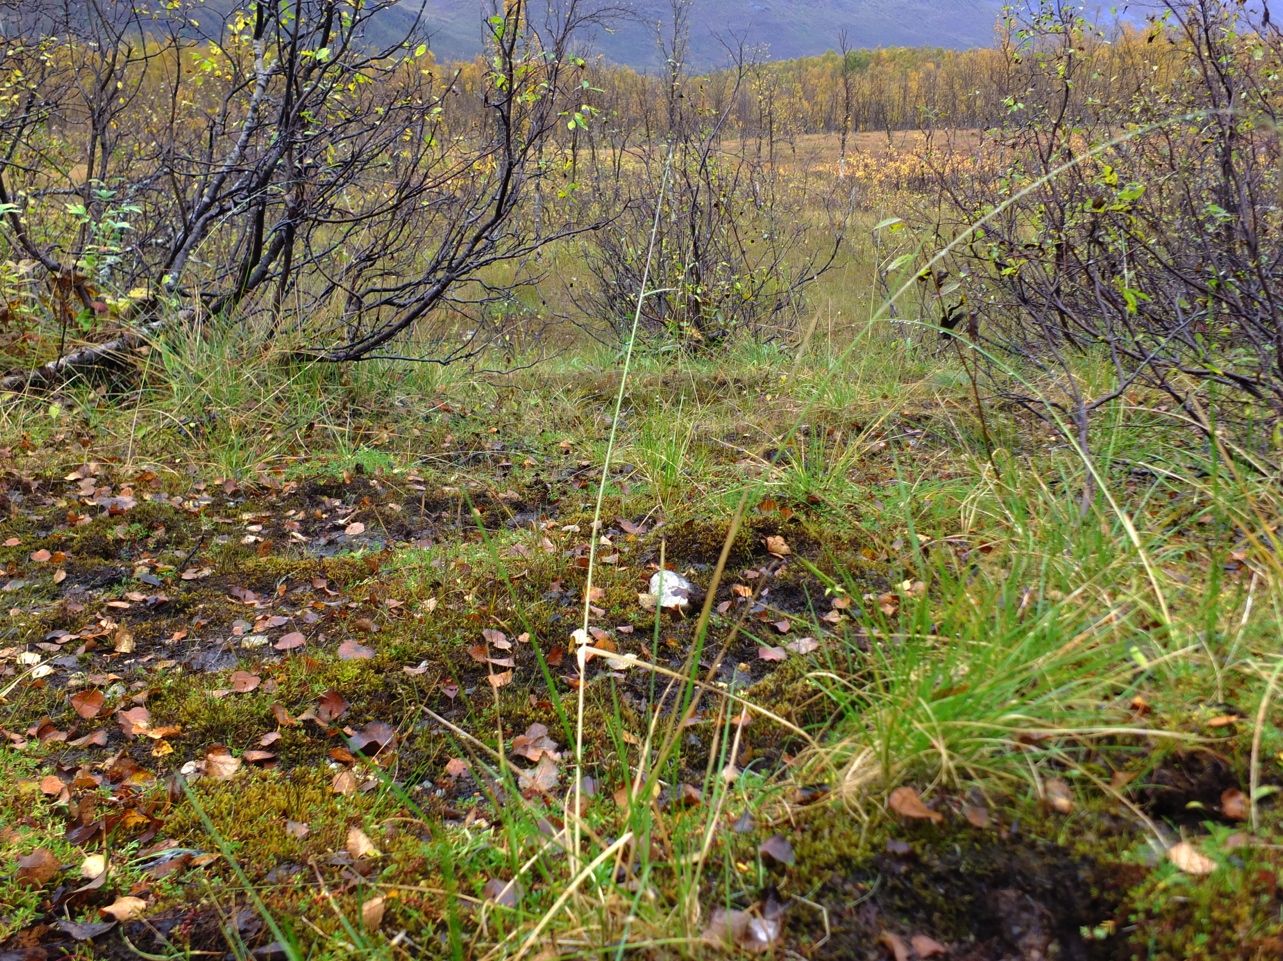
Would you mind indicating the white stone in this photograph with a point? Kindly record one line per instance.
(671, 591)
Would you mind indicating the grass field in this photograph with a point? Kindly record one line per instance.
(295, 665)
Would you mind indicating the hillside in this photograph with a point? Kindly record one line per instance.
(773, 29)
(783, 28)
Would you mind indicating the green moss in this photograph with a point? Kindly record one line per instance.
(237, 721)
(32, 700)
(249, 816)
(1233, 914)
(29, 824)
(121, 537)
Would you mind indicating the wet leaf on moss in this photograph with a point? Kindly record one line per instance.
(895, 944)
(372, 912)
(752, 931)
(803, 645)
(1234, 804)
(351, 650)
(541, 779)
(290, 641)
(359, 845)
(777, 848)
(503, 893)
(927, 947)
(906, 802)
(1190, 859)
(373, 738)
(330, 707)
(134, 721)
(37, 868)
(1058, 796)
(125, 908)
(535, 744)
(88, 704)
(221, 764)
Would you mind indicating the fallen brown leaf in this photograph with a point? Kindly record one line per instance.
(906, 802)
(925, 947)
(330, 707)
(373, 738)
(344, 782)
(372, 913)
(541, 779)
(753, 931)
(976, 815)
(37, 868)
(778, 546)
(125, 908)
(51, 785)
(221, 764)
(359, 845)
(1058, 796)
(535, 743)
(1190, 859)
(505, 893)
(290, 641)
(97, 738)
(88, 704)
(351, 650)
(778, 849)
(1234, 804)
(134, 721)
(895, 944)
(803, 645)
(84, 930)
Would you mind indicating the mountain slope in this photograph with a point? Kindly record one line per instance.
(782, 28)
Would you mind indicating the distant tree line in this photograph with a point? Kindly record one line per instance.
(867, 89)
